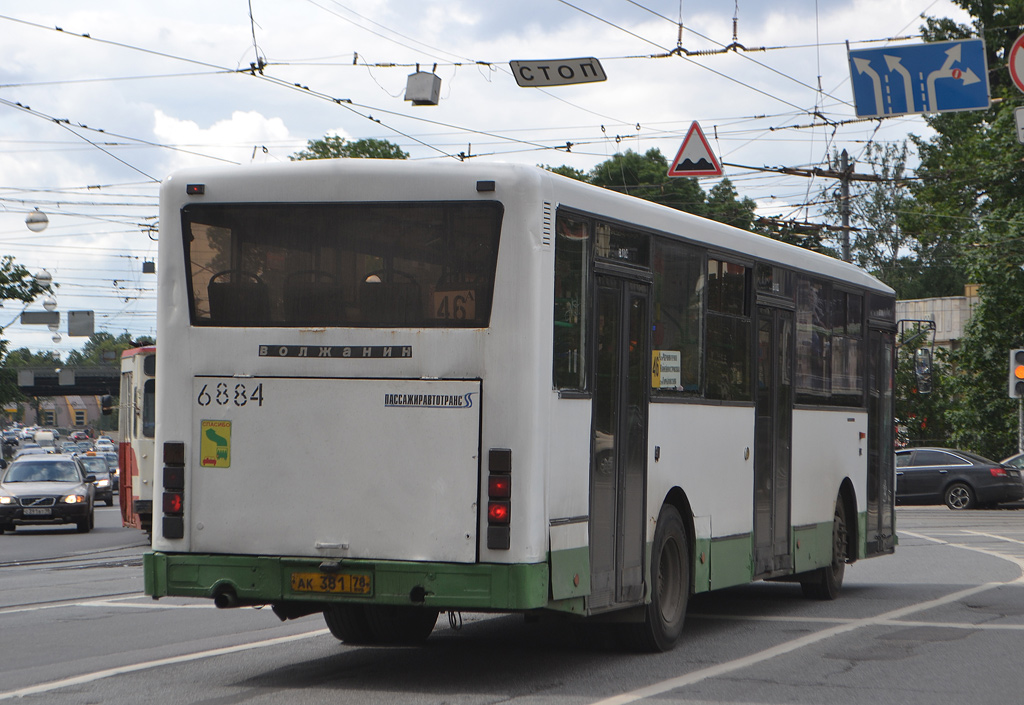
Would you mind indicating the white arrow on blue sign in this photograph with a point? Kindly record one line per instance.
(920, 78)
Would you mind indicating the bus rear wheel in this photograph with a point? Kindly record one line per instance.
(397, 624)
(670, 587)
(825, 583)
(348, 623)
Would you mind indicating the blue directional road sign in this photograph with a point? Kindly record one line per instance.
(920, 78)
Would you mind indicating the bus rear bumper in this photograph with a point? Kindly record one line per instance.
(232, 580)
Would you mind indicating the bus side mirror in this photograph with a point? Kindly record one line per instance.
(107, 404)
(923, 370)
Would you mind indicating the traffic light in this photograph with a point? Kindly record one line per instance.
(1016, 374)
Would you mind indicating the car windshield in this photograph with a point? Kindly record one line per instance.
(95, 464)
(56, 471)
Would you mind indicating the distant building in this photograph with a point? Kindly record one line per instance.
(950, 314)
(73, 411)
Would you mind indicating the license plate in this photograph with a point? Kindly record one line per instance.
(342, 583)
(37, 511)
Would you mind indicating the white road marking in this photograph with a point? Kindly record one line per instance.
(885, 619)
(146, 665)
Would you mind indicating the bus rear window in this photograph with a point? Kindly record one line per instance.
(342, 264)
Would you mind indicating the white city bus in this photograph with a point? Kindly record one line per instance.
(137, 432)
(388, 389)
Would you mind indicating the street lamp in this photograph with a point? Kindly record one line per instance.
(37, 221)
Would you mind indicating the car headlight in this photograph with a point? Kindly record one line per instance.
(103, 483)
(74, 499)
(4, 499)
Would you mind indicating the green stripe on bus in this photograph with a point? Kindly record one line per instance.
(256, 579)
(732, 561)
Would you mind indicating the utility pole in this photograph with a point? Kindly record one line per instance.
(845, 175)
(844, 201)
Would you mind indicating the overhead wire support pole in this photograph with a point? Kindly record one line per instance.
(844, 201)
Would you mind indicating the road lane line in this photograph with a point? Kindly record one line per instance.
(157, 663)
(884, 619)
(785, 648)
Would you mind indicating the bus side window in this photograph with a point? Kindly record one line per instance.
(571, 264)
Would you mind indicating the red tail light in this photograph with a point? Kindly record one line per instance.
(174, 490)
(498, 512)
(499, 486)
(174, 503)
(499, 494)
(998, 472)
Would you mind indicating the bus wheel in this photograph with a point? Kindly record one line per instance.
(348, 623)
(670, 589)
(397, 624)
(825, 583)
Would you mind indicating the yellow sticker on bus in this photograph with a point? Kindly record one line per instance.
(215, 444)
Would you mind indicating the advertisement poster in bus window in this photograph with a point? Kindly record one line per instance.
(215, 444)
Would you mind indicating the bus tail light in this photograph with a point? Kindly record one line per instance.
(499, 495)
(174, 490)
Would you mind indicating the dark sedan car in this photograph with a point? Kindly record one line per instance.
(958, 479)
(46, 489)
(96, 464)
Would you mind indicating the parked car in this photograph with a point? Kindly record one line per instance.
(51, 488)
(956, 478)
(1016, 461)
(96, 464)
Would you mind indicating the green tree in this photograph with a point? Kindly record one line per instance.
(646, 176)
(335, 147)
(569, 171)
(970, 205)
(104, 349)
(16, 284)
(921, 416)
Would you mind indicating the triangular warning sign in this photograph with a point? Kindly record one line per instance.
(695, 157)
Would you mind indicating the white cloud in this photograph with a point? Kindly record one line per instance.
(240, 138)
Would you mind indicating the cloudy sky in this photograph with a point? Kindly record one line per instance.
(99, 101)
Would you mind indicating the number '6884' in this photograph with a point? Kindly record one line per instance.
(225, 394)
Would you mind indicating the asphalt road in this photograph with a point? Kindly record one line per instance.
(939, 622)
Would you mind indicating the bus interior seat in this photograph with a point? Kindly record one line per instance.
(313, 298)
(237, 297)
(390, 302)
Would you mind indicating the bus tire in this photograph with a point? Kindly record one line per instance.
(670, 587)
(398, 624)
(348, 623)
(825, 583)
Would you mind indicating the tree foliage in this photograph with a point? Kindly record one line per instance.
(16, 284)
(335, 147)
(646, 176)
(105, 349)
(969, 217)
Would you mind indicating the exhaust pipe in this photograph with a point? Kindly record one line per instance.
(225, 598)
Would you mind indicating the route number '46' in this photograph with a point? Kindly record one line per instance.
(224, 394)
